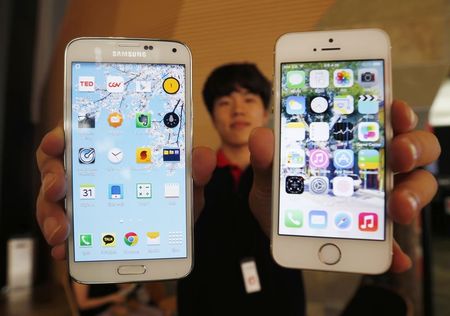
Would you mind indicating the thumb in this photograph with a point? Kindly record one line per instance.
(203, 165)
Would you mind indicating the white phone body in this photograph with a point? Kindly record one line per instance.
(330, 174)
(128, 133)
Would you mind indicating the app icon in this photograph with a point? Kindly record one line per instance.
(85, 240)
(131, 239)
(368, 159)
(368, 104)
(171, 85)
(86, 121)
(86, 84)
(295, 131)
(343, 158)
(171, 119)
(175, 238)
(143, 86)
(115, 191)
(343, 220)
(343, 104)
(115, 155)
(343, 78)
(295, 79)
(153, 238)
(318, 219)
(87, 192)
(319, 131)
(296, 159)
(367, 77)
(171, 154)
(293, 218)
(86, 156)
(319, 105)
(343, 131)
(319, 158)
(115, 84)
(171, 190)
(115, 119)
(319, 78)
(343, 186)
(318, 185)
(143, 155)
(368, 131)
(108, 240)
(296, 105)
(295, 184)
(368, 222)
(143, 190)
(143, 120)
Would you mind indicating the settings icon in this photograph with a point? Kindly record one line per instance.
(319, 185)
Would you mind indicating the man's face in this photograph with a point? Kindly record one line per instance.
(237, 114)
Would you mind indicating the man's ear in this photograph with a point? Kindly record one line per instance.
(266, 116)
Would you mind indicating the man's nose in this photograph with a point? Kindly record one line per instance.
(238, 107)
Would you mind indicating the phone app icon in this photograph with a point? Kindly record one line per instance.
(115, 191)
(368, 131)
(86, 84)
(115, 119)
(368, 222)
(319, 78)
(295, 131)
(319, 131)
(108, 240)
(143, 155)
(343, 220)
(171, 190)
(86, 120)
(367, 77)
(171, 85)
(295, 184)
(319, 105)
(171, 154)
(318, 185)
(143, 120)
(368, 104)
(86, 156)
(343, 158)
(143, 86)
(131, 239)
(319, 158)
(368, 159)
(85, 240)
(115, 84)
(343, 186)
(296, 105)
(343, 78)
(343, 131)
(343, 104)
(295, 79)
(153, 238)
(318, 219)
(115, 155)
(87, 192)
(171, 120)
(143, 190)
(296, 159)
(293, 218)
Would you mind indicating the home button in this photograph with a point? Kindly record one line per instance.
(329, 254)
(131, 270)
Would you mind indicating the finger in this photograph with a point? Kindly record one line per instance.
(413, 149)
(401, 262)
(53, 180)
(411, 193)
(403, 118)
(52, 145)
(203, 165)
(59, 252)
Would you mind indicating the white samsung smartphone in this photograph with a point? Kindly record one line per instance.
(128, 137)
(330, 172)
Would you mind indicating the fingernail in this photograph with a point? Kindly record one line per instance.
(49, 180)
(413, 201)
(414, 118)
(51, 227)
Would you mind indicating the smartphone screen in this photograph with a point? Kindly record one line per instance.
(332, 162)
(128, 161)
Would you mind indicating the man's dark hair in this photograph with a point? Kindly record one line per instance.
(230, 77)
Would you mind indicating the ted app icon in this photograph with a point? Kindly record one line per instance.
(368, 222)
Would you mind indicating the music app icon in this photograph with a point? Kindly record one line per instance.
(368, 222)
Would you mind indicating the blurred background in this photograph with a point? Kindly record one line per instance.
(33, 35)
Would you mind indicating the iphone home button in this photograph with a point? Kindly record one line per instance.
(131, 270)
(329, 254)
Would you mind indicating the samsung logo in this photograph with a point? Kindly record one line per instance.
(122, 53)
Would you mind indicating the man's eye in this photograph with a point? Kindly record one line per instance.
(250, 100)
(223, 102)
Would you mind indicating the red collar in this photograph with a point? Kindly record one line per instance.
(223, 162)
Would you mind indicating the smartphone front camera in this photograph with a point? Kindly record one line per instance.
(330, 40)
(150, 47)
(315, 49)
(145, 47)
(174, 50)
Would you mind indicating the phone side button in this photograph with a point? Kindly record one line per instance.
(131, 270)
(329, 254)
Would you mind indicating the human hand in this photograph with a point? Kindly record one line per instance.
(409, 150)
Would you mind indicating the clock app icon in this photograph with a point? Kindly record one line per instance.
(115, 155)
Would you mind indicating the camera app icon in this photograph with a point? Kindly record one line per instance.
(367, 77)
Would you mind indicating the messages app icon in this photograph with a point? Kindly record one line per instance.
(293, 218)
(295, 79)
